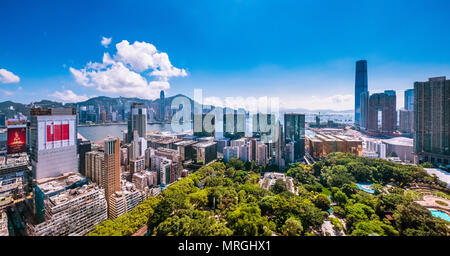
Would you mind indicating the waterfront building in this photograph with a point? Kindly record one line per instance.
(137, 121)
(382, 118)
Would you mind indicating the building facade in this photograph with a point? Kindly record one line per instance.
(361, 85)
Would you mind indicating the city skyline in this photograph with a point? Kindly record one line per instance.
(285, 57)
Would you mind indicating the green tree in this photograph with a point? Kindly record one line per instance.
(292, 227)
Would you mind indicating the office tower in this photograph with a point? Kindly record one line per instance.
(364, 107)
(83, 148)
(67, 205)
(382, 117)
(206, 151)
(409, 99)
(53, 134)
(406, 122)
(263, 125)
(162, 106)
(111, 181)
(361, 85)
(294, 125)
(432, 120)
(137, 121)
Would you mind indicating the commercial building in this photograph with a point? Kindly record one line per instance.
(83, 148)
(321, 145)
(432, 120)
(3, 224)
(206, 151)
(400, 147)
(262, 156)
(361, 85)
(294, 125)
(137, 121)
(186, 149)
(67, 205)
(53, 141)
(162, 114)
(375, 149)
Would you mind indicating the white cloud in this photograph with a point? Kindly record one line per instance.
(124, 72)
(335, 102)
(6, 92)
(69, 96)
(7, 77)
(106, 41)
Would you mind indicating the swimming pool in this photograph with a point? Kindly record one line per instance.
(440, 214)
(365, 187)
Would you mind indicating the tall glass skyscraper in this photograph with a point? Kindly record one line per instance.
(295, 132)
(163, 106)
(137, 121)
(361, 85)
(409, 99)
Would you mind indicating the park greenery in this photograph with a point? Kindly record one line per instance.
(226, 199)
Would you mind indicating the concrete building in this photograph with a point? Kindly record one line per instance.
(261, 154)
(206, 151)
(373, 147)
(125, 200)
(3, 224)
(243, 152)
(400, 147)
(53, 141)
(67, 205)
(186, 149)
(83, 148)
(432, 120)
(321, 145)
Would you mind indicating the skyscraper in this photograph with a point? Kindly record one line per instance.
(361, 85)
(137, 121)
(295, 132)
(163, 106)
(432, 120)
(53, 144)
(409, 99)
(364, 106)
(382, 113)
(111, 174)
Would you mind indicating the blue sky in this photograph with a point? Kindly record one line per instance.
(300, 51)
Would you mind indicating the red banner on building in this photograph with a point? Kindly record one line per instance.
(17, 140)
(57, 132)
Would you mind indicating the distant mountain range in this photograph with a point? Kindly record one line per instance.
(11, 108)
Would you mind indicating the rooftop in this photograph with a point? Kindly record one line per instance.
(204, 144)
(53, 184)
(402, 141)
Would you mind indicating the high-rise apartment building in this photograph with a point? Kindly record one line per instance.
(432, 120)
(294, 125)
(382, 118)
(67, 205)
(53, 144)
(137, 121)
(361, 85)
